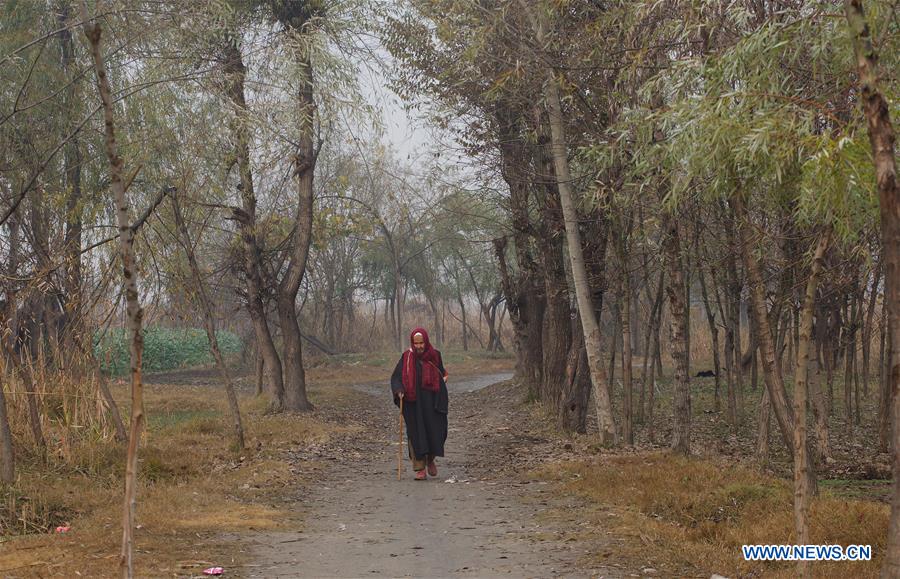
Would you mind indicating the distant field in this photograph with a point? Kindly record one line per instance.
(164, 349)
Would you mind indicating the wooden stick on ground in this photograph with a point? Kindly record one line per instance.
(400, 443)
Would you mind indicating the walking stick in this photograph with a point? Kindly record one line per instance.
(400, 445)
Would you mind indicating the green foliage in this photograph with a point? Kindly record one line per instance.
(164, 349)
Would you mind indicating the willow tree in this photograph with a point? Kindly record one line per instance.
(881, 139)
(760, 150)
(129, 274)
(498, 108)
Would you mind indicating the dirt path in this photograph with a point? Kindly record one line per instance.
(469, 521)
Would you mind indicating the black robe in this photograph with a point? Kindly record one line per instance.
(426, 418)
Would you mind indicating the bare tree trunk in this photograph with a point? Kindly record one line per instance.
(764, 422)
(557, 324)
(881, 139)
(628, 429)
(820, 416)
(614, 339)
(25, 370)
(133, 306)
(735, 288)
(648, 356)
(829, 361)
(754, 370)
(526, 311)
(462, 308)
(651, 394)
(762, 329)
(295, 399)
(500, 346)
(802, 490)
(246, 217)
(713, 332)
(397, 312)
(868, 328)
(849, 355)
(681, 433)
(209, 322)
(773, 378)
(260, 373)
(884, 400)
(728, 350)
(605, 419)
(556, 335)
(573, 405)
(657, 349)
(102, 385)
(495, 344)
(7, 456)
(74, 332)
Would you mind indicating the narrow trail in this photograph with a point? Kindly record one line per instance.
(360, 521)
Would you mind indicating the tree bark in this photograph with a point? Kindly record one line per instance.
(573, 409)
(802, 490)
(713, 332)
(628, 429)
(7, 455)
(102, 385)
(260, 373)
(133, 306)
(884, 400)
(655, 314)
(25, 370)
(295, 399)
(681, 433)
(209, 322)
(462, 309)
(614, 338)
(773, 378)
(524, 299)
(75, 329)
(556, 336)
(734, 318)
(606, 422)
(625, 322)
(881, 139)
(235, 72)
(764, 422)
(525, 313)
(868, 328)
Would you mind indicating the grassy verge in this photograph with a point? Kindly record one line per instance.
(690, 516)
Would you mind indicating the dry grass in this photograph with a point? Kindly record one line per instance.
(196, 495)
(691, 516)
(193, 490)
(377, 366)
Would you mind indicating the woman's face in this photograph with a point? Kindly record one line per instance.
(419, 343)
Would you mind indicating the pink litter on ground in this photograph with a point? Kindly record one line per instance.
(213, 571)
(62, 529)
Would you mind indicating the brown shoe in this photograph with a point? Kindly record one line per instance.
(420, 474)
(432, 469)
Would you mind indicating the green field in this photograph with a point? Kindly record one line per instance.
(164, 349)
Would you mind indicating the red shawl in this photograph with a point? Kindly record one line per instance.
(431, 376)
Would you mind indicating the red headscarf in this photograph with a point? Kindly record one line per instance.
(431, 376)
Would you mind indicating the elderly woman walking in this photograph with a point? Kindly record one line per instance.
(420, 380)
